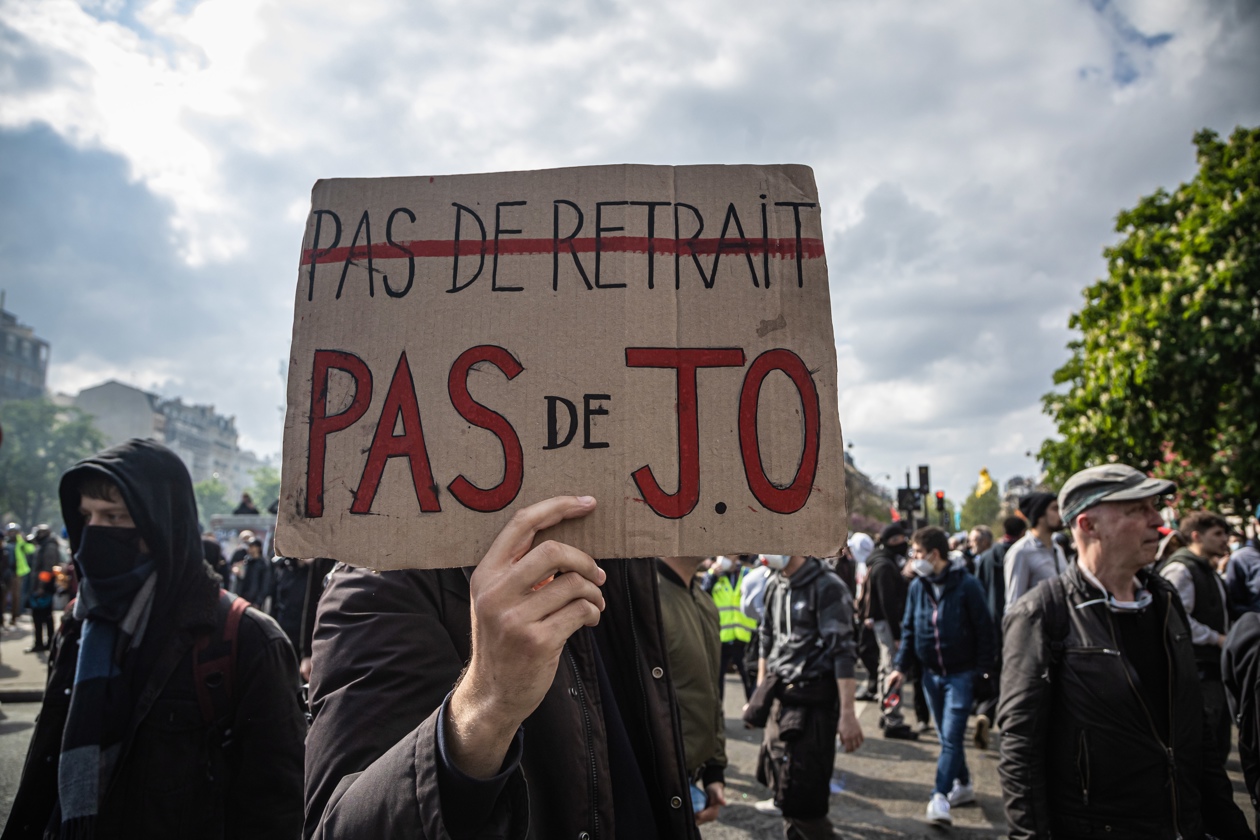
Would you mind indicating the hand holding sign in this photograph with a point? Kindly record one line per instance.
(518, 631)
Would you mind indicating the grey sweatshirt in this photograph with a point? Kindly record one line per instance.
(807, 630)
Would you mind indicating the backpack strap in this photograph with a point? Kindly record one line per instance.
(214, 660)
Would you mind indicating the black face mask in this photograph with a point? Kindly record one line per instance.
(108, 552)
(900, 549)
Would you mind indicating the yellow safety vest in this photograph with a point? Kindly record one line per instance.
(735, 626)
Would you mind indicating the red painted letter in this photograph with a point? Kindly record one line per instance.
(684, 360)
(466, 493)
(792, 498)
(400, 401)
(322, 424)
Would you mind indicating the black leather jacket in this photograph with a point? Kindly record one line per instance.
(1080, 753)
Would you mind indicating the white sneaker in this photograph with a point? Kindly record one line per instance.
(961, 794)
(767, 806)
(938, 810)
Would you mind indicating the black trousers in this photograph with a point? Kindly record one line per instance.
(799, 771)
(43, 621)
(868, 655)
(733, 654)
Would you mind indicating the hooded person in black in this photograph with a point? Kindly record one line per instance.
(128, 743)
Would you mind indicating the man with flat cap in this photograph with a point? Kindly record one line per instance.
(1103, 729)
(1035, 556)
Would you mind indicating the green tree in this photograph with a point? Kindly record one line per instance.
(1167, 367)
(266, 487)
(984, 509)
(41, 441)
(212, 498)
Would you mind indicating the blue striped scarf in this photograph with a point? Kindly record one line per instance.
(115, 611)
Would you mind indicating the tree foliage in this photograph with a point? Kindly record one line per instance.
(985, 509)
(41, 441)
(266, 487)
(212, 498)
(1166, 373)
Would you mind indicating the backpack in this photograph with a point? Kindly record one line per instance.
(214, 664)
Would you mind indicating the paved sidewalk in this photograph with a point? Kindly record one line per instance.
(22, 675)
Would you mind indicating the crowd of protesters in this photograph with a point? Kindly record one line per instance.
(545, 693)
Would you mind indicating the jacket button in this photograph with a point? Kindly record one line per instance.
(659, 672)
(675, 802)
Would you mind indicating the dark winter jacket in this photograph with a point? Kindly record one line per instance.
(258, 581)
(388, 649)
(46, 556)
(1240, 670)
(990, 572)
(296, 597)
(175, 776)
(884, 595)
(1081, 752)
(949, 633)
(807, 630)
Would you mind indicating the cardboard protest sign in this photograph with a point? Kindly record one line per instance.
(657, 337)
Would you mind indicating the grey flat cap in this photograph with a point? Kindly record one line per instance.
(1108, 483)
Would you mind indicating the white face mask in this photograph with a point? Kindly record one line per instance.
(776, 561)
(922, 567)
(724, 564)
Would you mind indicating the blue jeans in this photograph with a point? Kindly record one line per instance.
(949, 697)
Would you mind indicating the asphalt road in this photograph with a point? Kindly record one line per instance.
(884, 786)
(15, 735)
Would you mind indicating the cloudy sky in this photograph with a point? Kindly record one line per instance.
(156, 160)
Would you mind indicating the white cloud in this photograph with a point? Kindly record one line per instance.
(970, 157)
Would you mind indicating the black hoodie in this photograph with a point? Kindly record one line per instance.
(159, 496)
(178, 774)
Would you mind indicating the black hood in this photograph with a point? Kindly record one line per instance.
(159, 496)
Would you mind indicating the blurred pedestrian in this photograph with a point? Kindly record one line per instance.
(298, 585)
(882, 608)
(1242, 574)
(20, 551)
(724, 582)
(989, 572)
(246, 507)
(256, 576)
(948, 631)
(1035, 556)
(43, 585)
(1202, 593)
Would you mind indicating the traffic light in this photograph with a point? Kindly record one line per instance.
(940, 500)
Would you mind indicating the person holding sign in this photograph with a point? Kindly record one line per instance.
(526, 696)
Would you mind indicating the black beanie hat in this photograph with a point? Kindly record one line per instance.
(890, 531)
(1034, 505)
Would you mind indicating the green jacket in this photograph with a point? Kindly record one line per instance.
(22, 551)
(694, 653)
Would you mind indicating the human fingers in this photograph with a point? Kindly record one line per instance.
(516, 538)
(551, 559)
(567, 587)
(567, 620)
